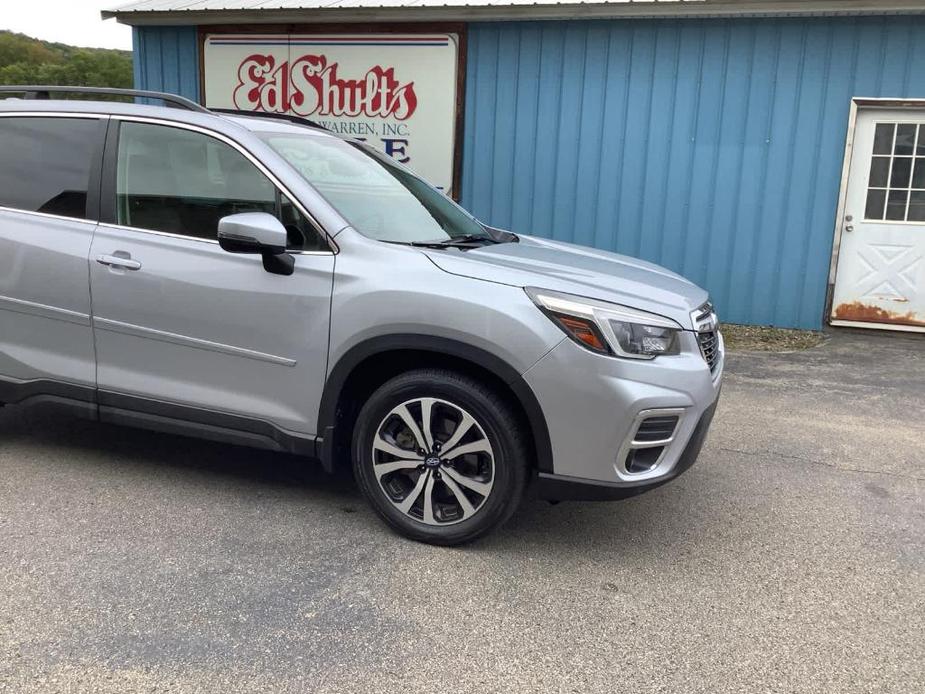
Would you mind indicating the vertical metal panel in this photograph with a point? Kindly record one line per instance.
(167, 59)
(713, 147)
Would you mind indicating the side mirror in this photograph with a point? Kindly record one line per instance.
(257, 233)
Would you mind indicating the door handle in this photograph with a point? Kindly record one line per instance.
(120, 261)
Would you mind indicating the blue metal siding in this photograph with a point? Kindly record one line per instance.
(713, 147)
(167, 60)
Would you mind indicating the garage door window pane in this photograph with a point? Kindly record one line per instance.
(918, 176)
(880, 172)
(896, 205)
(896, 173)
(902, 172)
(45, 164)
(876, 201)
(883, 138)
(905, 139)
(183, 182)
(917, 206)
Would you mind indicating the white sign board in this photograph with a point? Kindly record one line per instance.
(397, 92)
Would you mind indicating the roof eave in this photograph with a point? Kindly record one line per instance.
(737, 8)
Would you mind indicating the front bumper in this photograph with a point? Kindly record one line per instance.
(554, 487)
(593, 405)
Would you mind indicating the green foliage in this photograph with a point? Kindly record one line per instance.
(24, 60)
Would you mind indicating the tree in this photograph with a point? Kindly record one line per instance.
(24, 60)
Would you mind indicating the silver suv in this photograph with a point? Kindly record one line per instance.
(260, 281)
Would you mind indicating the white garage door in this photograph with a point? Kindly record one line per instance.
(880, 280)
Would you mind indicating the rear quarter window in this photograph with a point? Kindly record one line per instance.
(45, 164)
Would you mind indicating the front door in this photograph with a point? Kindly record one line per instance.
(185, 330)
(880, 282)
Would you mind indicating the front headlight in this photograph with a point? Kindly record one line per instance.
(608, 328)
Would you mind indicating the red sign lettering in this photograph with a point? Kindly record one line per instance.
(311, 87)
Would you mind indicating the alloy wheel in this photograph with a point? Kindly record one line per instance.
(433, 461)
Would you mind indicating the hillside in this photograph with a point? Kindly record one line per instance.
(24, 60)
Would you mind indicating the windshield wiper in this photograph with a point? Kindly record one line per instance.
(465, 241)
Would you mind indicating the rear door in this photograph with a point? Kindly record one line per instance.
(49, 199)
(183, 329)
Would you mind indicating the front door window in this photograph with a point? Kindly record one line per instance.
(183, 182)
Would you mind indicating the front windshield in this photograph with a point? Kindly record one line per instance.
(379, 198)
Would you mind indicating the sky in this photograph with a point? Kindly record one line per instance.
(76, 22)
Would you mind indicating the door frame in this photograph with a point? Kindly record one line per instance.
(868, 104)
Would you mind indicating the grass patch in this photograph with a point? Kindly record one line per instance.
(756, 338)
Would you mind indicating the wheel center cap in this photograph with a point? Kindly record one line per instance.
(432, 461)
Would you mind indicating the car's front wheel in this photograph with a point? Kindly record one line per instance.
(440, 456)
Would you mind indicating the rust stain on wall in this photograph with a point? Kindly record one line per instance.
(866, 313)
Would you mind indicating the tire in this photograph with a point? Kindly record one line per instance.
(474, 474)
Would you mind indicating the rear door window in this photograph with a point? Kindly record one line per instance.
(45, 163)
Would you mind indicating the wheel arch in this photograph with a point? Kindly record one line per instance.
(369, 364)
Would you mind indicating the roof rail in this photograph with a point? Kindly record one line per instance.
(298, 120)
(45, 91)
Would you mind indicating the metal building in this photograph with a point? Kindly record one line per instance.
(772, 151)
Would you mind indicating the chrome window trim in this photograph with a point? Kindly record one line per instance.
(154, 232)
(183, 237)
(47, 215)
(327, 238)
(54, 114)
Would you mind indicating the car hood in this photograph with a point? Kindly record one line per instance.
(566, 267)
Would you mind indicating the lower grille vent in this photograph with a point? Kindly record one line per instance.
(651, 435)
(643, 459)
(656, 429)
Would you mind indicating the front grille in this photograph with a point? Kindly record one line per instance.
(707, 326)
(709, 347)
(703, 314)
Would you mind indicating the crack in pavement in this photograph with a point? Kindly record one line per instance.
(777, 454)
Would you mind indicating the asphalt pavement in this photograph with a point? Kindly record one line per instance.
(791, 558)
